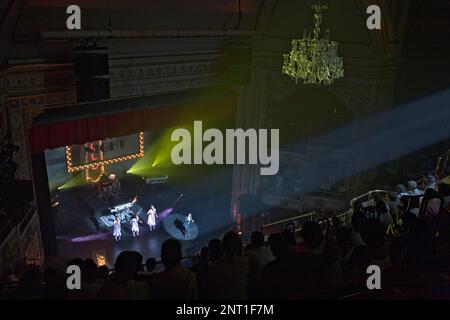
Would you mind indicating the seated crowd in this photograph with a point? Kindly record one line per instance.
(313, 262)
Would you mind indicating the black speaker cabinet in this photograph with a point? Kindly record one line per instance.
(92, 75)
(91, 64)
(92, 89)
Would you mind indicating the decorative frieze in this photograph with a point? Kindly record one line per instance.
(161, 70)
(20, 82)
(42, 100)
(161, 78)
(161, 86)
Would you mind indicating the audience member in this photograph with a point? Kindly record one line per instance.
(215, 250)
(413, 190)
(325, 262)
(174, 283)
(289, 276)
(122, 284)
(228, 278)
(258, 256)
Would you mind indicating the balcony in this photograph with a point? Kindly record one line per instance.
(20, 240)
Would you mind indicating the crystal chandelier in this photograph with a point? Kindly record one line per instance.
(314, 60)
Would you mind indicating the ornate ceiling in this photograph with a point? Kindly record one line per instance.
(23, 21)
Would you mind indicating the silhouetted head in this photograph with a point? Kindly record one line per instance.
(290, 237)
(312, 234)
(215, 249)
(412, 185)
(232, 244)
(139, 259)
(104, 272)
(257, 239)
(278, 244)
(380, 206)
(204, 253)
(91, 270)
(171, 253)
(127, 264)
(400, 188)
(150, 264)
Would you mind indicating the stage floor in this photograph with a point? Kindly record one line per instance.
(148, 243)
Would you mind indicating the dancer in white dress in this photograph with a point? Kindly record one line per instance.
(135, 226)
(188, 220)
(152, 216)
(117, 233)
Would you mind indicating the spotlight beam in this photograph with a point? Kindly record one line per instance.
(382, 138)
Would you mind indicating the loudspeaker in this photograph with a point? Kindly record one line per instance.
(92, 89)
(91, 64)
(92, 75)
(239, 64)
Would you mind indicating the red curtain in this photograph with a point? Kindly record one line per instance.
(80, 131)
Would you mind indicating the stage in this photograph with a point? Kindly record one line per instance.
(148, 243)
(84, 222)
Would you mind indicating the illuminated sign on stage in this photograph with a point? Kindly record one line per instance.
(95, 155)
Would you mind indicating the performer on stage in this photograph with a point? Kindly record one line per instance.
(117, 233)
(152, 216)
(187, 224)
(135, 225)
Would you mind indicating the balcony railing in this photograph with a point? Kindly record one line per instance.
(298, 221)
(20, 219)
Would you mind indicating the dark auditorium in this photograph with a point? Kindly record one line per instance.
(243, 152)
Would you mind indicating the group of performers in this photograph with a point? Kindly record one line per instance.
(151, 221)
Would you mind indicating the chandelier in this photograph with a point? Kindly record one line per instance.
(314, 60)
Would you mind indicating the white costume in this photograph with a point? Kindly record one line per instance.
(187, 224)
(135, 226)
(117, 233)
(151, 221)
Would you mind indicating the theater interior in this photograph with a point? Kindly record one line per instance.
(87, 117)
